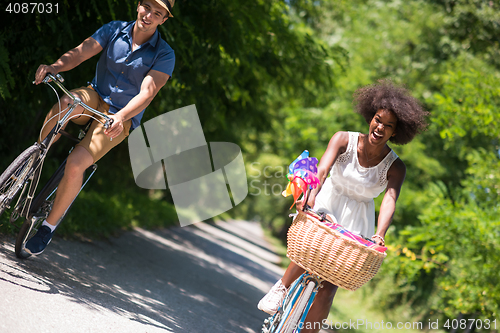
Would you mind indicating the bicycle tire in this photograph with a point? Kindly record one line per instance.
(273, 323)
(39, 210)
(293, 319)
(16, 175)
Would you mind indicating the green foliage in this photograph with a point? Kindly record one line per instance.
(468, 112)
(458, 246)
(6, 80)
(483, 181)
(468, 102)
(471, 26)
(239, 68)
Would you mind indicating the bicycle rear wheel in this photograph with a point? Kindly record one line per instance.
(16, 175)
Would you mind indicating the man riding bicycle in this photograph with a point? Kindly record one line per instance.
(135, 63)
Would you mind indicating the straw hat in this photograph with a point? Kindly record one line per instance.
(168, 5)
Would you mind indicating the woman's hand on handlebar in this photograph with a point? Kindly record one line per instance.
(379, 240)
(300, 203)
(42, 72)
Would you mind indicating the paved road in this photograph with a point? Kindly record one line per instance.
(198, 279)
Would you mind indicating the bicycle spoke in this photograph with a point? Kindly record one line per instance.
(16, 176)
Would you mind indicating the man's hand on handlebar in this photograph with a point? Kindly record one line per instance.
(42, 72)
(116, 126)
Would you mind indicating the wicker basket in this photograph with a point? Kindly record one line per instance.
(329, 254)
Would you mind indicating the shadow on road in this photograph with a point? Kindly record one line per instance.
(201, 278)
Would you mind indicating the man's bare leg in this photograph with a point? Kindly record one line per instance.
(78, 161)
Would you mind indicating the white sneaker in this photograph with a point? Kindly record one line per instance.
(271, 302)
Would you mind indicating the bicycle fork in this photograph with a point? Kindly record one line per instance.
(32, 187)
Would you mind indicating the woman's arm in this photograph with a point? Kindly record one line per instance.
(395, 176)
(337, 145)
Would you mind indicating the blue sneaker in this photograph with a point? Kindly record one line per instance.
(39, 242)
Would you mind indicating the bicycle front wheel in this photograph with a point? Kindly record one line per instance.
(293, 320)
(16, 175)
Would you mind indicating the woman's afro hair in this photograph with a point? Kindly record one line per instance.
(385, 95)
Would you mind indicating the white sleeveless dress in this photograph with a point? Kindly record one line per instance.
(349, 191)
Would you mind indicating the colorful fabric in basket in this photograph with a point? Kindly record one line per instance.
(337, 227)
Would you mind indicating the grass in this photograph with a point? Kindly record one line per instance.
(358, 312)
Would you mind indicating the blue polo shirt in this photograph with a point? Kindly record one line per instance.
(119, 72)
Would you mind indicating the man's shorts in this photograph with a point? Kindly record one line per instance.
(95, 141)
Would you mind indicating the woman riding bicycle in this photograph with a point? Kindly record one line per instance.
(361, 166)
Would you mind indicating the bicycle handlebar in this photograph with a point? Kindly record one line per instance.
(58, 80)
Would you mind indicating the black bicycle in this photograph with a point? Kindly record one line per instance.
(19, 181)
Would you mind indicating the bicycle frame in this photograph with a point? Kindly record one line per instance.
(295, 291)
(58, 80)
(57, 129)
